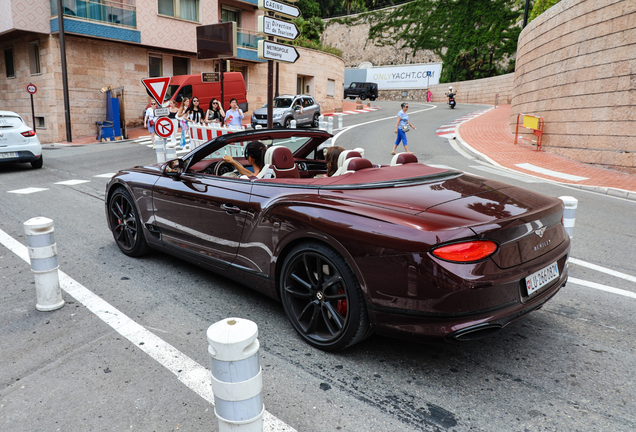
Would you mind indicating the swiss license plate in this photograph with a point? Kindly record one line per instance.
(8, 155)
(541, 278)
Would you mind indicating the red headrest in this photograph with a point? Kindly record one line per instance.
(358, 163)
(404, 158)
(282, 158)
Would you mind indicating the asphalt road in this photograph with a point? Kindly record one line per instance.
(566, 367)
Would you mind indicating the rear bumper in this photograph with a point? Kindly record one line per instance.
(22, 156)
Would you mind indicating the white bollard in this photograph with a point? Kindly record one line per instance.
(43, 254)
(258, 127)
(321, 122)
(340, 116)
(330, 125)
(171, 151)
(161, 153)
(292, 124)
(571, 204)
(237, 380)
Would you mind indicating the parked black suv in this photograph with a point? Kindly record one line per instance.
(362, 90)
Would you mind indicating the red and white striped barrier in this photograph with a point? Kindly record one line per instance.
(199, 135)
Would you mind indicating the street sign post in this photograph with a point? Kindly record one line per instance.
(31, 89)
(279, 8)
(281, 29)
(278, 52)
(157, 87)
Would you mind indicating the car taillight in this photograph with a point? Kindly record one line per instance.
(466, 252)
(28, 133)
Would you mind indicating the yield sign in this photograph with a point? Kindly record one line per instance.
(164, 127)
(157, 87)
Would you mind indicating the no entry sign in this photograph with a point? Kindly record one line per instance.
(164, 127)
(31, 88)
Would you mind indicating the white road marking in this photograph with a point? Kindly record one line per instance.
(602, 287)
(550, 173)
(602, 269)
(72, 182)
(28, 190)
(496, 171)
(189, 372)
(107, 175)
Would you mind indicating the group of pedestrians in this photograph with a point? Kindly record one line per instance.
(191, 113)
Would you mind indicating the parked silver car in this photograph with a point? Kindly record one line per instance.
(302, 108)
(18, 142)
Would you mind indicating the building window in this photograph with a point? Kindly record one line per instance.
(155, 66)
(40, 123)
(184, 9)
(34, 57)
(243, 70)
(331, 87)
(180, 66)
(229, 15)
(8, 63)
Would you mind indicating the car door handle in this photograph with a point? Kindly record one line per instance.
(230, 208)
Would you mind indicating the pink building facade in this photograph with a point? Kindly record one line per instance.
(117, 44)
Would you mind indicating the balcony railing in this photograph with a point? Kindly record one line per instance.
(247, 38)
(105, 11)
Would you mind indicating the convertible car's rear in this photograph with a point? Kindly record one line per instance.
(412, 293)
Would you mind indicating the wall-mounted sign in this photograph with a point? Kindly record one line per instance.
(210, 77)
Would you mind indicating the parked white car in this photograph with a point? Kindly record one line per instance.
(18, 142)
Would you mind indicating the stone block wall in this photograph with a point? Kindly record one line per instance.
(576, 68)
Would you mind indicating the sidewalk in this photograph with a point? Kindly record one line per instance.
(489, 136)
(140, 131)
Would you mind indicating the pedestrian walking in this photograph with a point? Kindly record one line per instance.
(234, 116)
(149, 121)
(183, 121)
(428, 95)
(401, 128)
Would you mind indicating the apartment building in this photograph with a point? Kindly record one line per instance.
(117, 44)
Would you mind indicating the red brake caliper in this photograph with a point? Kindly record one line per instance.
(342, 304)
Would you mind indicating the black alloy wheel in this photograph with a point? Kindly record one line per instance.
(125, 224)
(322, 298)
(363, 96)
(314, 123)
(288, 122)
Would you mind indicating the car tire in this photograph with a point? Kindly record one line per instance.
(352, 97)
(287, 124)
(372, 99)
(363, 96)
(126, 225)
(315, 121)
(37, 164)
(322, 298)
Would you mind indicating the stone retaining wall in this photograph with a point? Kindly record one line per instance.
(576, 68)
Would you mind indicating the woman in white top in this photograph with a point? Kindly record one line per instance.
(183, 121)
(234, 116)
(150, 119)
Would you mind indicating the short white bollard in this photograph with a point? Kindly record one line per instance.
(321, 122)
(237, 381)
(171, 151)
(258, 127)
(340, 116)
(292, 124)
(43, 254)
(330, 125)
(571, 204)
(161, 152)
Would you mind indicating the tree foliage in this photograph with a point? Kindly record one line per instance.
(541, 6)
(470, 36)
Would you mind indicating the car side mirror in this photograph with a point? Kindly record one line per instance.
(174, 168)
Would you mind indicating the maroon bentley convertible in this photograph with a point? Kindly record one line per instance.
(405, 249)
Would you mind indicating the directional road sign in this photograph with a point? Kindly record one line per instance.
(273, 51)
(273, 27)
(279, 8)
(157, 87)
(31, 88)
(164, 127)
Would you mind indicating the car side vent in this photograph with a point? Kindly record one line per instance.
(156, 232)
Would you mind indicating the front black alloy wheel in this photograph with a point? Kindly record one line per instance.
(125, 224)
(322, 298)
